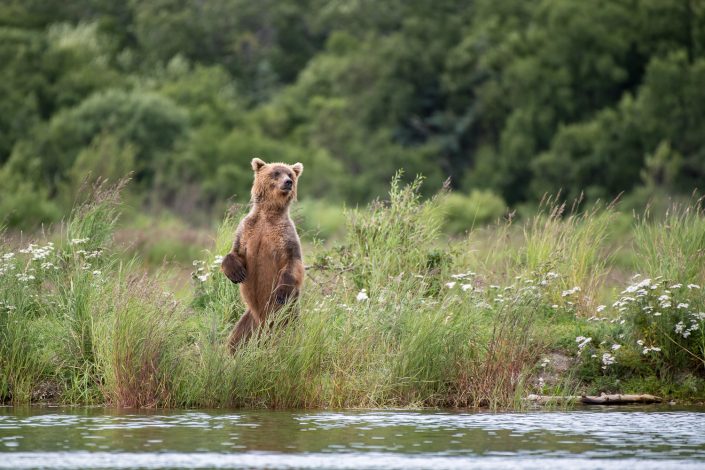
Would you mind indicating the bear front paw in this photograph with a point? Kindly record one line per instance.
(233, 268)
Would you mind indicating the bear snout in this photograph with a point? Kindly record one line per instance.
(288, 184)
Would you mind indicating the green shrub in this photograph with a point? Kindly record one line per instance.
(318, 219)
(464, 212)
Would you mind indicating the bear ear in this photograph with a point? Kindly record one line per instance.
(257, 164)
(298, 168)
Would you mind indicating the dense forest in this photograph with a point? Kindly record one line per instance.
(513, 97)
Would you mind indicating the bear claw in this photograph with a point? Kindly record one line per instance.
(233, 269)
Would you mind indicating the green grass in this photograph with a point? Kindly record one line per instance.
(393, 314)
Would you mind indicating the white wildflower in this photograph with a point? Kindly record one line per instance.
(582, 341)
(572, 291)
(682, 305)
(450, 285)
(22, 277)
(693, 286)
(465, 286)
(203, 277)
(616, 346)
(676, 286)
(680, 327)
(362, 296)
(600, 308)
(78, 241)
(607, 360)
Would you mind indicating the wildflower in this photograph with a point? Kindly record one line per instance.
(96, 273)
(640, 342)
(545, 362)
(362, 295)
(607, 360)
(91, 254)
(600, 308)
(693, 286)
(682, 305)
(676, 286)
(494, 286)
(582, 341)
(203, 277)
(78, 241)
(22, 277)
(657, 314)
(680, 326)
(572, 291)
(698, 316)
(649, 349)
(551, 275)
(465, 286)
(8, 256)
(663, 298)
(450, 285)
(616, 346)
(554, 306)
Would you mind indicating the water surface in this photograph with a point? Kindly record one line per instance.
(643, 437)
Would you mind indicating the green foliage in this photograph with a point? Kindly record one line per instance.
(392, 317)
(462, 213)
(405, 226)
(523, 99)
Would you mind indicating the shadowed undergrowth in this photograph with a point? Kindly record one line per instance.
(392, 316)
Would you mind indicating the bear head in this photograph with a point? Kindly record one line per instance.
(275, 183)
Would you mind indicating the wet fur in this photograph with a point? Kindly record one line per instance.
(266, 256)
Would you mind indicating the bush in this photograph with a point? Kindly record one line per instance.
(462, 213)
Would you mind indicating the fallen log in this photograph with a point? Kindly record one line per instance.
(603, 399)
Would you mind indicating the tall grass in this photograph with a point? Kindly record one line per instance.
(394, 315)
(673, 247)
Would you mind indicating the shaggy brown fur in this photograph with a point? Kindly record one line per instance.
(266, 256)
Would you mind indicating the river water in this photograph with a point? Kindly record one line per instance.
(596, 437)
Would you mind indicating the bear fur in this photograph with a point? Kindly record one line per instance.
(266, 255)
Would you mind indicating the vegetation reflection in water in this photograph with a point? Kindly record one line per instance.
(99, 438)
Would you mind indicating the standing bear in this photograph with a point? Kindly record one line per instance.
(266, 256)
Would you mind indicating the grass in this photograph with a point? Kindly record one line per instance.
(393, 314)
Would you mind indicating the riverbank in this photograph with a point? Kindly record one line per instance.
(394, 315)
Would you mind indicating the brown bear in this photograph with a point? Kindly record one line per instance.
(266, 255)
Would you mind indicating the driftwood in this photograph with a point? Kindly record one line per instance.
(603, 399)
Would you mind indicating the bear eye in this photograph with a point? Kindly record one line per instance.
(276, 174)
